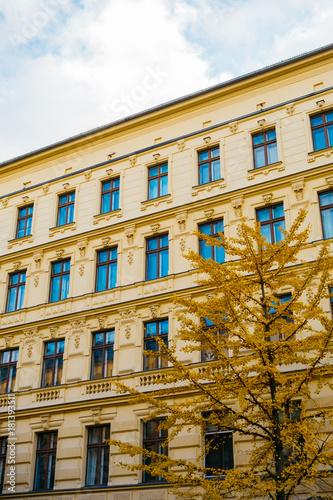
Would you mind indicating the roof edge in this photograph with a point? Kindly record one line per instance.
(159, 107)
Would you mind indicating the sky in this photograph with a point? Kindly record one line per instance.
(68, 66)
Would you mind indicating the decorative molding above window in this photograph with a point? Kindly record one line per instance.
(298, 188)
(237, 205)
(129, 232)
(290, 108)
(96, 417)
(87, 175)
(181, 219)
(132, 160)
(128, 313)
(267, 198)
(181, 144)
(82, 246)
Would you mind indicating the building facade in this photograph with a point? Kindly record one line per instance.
(92, 235)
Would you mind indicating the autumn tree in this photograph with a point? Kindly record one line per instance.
(263, 331)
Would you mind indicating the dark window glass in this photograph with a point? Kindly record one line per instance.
(208, 251)
(271, 219)
(218, 448)
(153, 439)
(106, 269)
(155, 330)
(66, 209)
(326, 213)
(157, 181)
(98, 456)
(322, 130)
(282, 298)
(110, 195)
(60, 280)
(208, 354)
(331, 299)
(264, 148)
(53, 363)
(8, 361)
(16, 288)
(157, 257)
(209, 165)
(24, 221)
(102, 354)
(3, 454)
(45, 460)
(292, 413)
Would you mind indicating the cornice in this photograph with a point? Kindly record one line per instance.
(161, 297)
(106, 402)
(81, 404)
(109, 308)
(180, 105)
(144, 220)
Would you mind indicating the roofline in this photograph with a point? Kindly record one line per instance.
(173, 102)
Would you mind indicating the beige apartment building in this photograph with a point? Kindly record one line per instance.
(93, 229)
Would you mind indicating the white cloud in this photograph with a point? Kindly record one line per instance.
(99, 66)
(71, 65)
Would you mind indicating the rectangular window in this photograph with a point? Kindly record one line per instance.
(45, 460)
(3, 454)
(331, 298)
(24, 221)
(208, 354)
(153, 439)
(292, 413)
(110, 195)
(155, 330)
(53, 363)
(326, 213)
(208, 251)
(98, 456)
(322, 130)
(271, 220)
(219, 453)
(66, 208)
(282, 298)
(209, 165)
(106, 269)
(8, 361)
(157, 181)
(157, 257)
(60, 280)
(102, 354)
(264, 148)
(16, 288)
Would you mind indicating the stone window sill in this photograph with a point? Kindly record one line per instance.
(313, 155)
(155, 202)
(107, 216)
(265, 170)
(61, 229)
(20, 241)
(208, 186)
